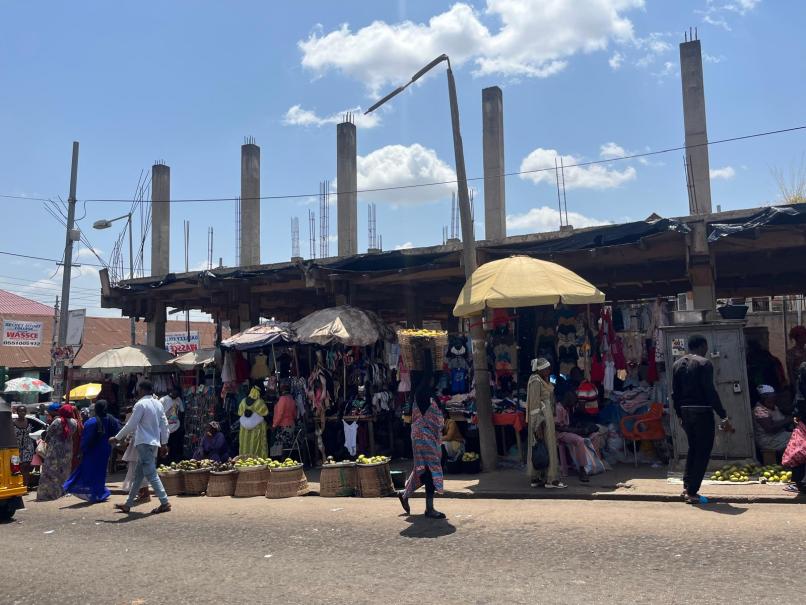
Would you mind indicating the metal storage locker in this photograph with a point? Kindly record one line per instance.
(726, 351)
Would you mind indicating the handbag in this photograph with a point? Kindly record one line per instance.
(41, 449)
(795, 452)
(540, 455)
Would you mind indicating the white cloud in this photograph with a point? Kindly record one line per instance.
(713, 58)
(400, 165)
(612, 150)
(534, 38)
(616, 60)
(715, 11)
(541, 219)
(669, 69)
(725, 174)
(596, 176)
(405, 246)
(297, 116)
(652, 47)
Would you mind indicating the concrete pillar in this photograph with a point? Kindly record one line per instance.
(492, 110)
(701, 268)
(160, 245)
(699, 177)
(346, 186)
(250, 204)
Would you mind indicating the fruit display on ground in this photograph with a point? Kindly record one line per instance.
(470, 457)
(362, 459)
(252, 462)
(287, 463)
(772, 473)
(422, 333)
(186, 465)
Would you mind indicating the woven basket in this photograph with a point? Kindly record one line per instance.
(172, 482)
(222, 484)
(338, 480)
(412, 347)
(194, 483)
(375, 480)
(287, 482)
(251, 482)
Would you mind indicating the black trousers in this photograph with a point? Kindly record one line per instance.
(799, 476)
(700, 430)
(428, 483)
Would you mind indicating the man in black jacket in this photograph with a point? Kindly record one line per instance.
(695, 402)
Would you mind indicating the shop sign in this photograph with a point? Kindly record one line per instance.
(22, 333)
(178, 343)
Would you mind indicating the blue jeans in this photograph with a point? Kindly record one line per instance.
(146, 467)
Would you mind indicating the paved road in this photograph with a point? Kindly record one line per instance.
(317, 550)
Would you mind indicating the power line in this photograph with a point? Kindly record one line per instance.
(51, 260)
(451, 182)
(478, 178)
(25, 197)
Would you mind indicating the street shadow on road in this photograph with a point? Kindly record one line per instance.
(721, 508)
(423, 527)
(132, 516)
(78, 505)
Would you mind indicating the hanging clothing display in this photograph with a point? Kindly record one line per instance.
(260, 368)
(350, 434)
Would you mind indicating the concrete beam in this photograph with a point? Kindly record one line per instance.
(346, 187)
(250, 205)
(495, 220)
(699, 177)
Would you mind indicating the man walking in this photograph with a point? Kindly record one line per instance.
(540, 413)
(695, 402)
(150, 428)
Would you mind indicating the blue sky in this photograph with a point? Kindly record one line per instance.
(186, 81)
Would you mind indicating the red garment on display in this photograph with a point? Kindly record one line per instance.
(242, 368)
(652, 367)
(597, 370)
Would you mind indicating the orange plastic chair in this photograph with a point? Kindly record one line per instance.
(640, 427)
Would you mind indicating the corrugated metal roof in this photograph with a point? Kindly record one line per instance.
(12, 303)
(100, 334)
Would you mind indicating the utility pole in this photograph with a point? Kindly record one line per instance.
(62, 383)
(484, 407)
(489, 454)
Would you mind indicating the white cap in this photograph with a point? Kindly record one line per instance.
(766, 389)
(541, 363)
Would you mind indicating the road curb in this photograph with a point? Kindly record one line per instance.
(605, 497)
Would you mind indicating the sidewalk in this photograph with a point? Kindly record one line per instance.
(624, 482)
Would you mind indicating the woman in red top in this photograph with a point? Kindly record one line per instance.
(285, 418)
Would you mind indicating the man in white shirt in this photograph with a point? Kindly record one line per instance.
(150, 428)
(173, 405)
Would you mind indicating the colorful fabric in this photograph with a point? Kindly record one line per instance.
(252, 441)
(426, 434)
(285, 412)
(88, 481)
(795, 453)
(56, 465)
(25, 444)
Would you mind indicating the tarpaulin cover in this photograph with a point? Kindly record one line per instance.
(263, 335)
(772, 216)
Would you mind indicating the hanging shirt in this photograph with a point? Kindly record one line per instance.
(172, 407)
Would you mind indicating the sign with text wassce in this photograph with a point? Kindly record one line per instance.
(22, 333)
(177, 343)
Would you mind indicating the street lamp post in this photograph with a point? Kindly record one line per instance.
(106, 224)
(489, 453)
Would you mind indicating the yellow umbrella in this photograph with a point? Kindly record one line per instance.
(522, 281)
(85, 391)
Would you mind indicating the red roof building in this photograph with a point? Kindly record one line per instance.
(12, 304)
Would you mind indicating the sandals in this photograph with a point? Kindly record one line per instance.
(555, 485)
(793, 488)
(162, 508)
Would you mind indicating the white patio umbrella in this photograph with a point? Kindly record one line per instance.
(132, 358)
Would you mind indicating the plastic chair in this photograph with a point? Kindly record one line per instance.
(640, 427)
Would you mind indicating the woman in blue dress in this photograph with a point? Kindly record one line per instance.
(88, 481)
